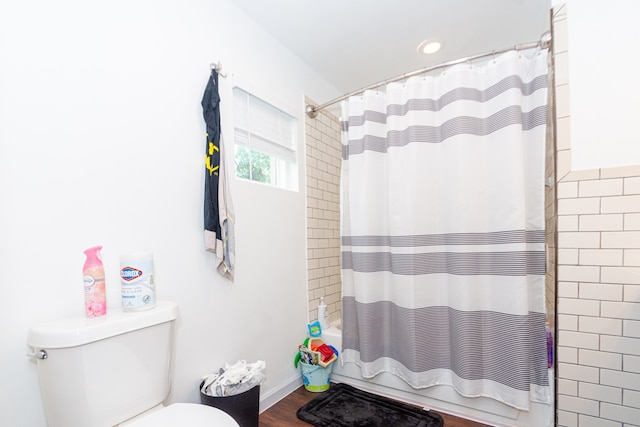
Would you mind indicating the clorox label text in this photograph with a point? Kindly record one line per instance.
(130, 273)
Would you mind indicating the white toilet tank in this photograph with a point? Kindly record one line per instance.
(101, 371)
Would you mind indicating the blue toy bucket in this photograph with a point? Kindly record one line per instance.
(315, 377)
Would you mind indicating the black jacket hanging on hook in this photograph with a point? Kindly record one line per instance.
(218, 211)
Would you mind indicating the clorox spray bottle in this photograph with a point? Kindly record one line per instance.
(95, 295)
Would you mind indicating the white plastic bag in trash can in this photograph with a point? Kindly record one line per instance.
(234, 379)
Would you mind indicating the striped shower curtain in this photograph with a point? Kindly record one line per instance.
(443, 254)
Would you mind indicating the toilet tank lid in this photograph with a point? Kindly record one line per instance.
(79, 330)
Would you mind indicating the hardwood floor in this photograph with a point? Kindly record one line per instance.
(283, 413)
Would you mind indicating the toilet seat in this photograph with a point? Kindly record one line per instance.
(186, 414)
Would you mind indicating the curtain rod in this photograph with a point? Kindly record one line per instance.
(544, 42)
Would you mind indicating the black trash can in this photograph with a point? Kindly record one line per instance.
(243, 407)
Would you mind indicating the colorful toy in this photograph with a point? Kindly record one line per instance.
(313, 351)
(315, 330)
(326, 355)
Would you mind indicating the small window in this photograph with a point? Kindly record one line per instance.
(265, 142)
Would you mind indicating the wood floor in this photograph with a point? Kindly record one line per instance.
(283, 413)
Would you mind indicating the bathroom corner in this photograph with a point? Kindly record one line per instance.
(323, 161)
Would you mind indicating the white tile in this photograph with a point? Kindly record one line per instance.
(620, 310)
(623, 345)
(560, 32)
(600, 325)
(312, 165)
(568, 387)
(578, 340)
(620, 413)
(567, 355)
(589, 421)
(562, 68)
(600, 359)
(611, 222)
(582, 175)
(576, 404)
(567, 419)
(632, 185)
(570, 256)
(559, 13)
(626, 380)
(623, 275)
(621, 204)
(631, 363)
(621, 171)
(578, 273)
(631, 328)
(632, 257)
(563, 164)
(562, 101)
(568, 223)
(609, 257)
(601, 187)
(563, 135)
(631, 398)
(567, 190)
(600, 392)
(600, 291)
(632, 294)
(590, 205)
(578, 307)
(621, 239)
(632, 221)
(586, 239)
(568, 322)
(567, 290)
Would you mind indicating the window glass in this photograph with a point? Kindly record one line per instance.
(265, 142)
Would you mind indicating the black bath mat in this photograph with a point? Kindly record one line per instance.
(343, 405)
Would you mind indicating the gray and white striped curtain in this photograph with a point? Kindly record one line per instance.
(443, 254)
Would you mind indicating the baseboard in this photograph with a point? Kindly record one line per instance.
(278, 393)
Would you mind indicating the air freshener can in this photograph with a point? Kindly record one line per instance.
(136, 278)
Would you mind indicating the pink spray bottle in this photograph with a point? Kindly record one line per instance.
(95, 295)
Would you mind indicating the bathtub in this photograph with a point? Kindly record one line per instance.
(439, 398)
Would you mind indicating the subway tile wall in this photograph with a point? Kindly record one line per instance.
(598, 358)
(323, 162)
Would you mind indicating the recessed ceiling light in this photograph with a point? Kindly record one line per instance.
(429, 47)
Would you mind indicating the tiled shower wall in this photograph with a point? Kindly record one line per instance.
(598, 279)
(323, 158)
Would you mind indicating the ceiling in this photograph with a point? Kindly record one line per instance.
(356, 43)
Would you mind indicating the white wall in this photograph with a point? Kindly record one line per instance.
(102, 142)
(598, 358)
(603, 66)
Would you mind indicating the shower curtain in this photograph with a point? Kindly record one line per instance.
(443, 254)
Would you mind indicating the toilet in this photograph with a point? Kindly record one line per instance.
(114, 370)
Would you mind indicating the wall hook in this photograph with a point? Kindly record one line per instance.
(218, 67)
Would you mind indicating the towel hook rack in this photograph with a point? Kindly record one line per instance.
(218, 67)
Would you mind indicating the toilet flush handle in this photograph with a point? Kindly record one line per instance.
(41, 354)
